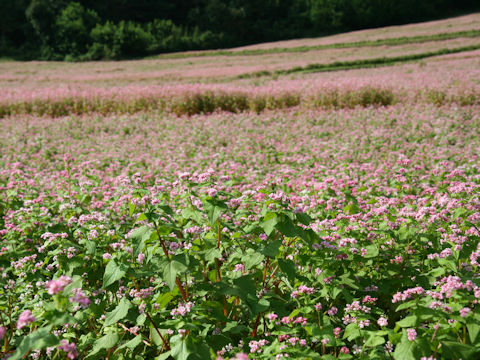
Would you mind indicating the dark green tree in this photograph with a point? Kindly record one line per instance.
(42, 15)
(72, 30)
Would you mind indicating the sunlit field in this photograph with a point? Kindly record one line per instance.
(310, 199)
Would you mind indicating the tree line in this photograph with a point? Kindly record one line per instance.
(117, 29)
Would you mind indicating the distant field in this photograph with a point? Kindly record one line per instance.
(462, 23)
(160, 80)
(310, 199)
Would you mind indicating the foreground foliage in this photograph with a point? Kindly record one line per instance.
(351, 234)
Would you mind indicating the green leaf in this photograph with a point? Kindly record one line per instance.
(258, 306)
(449, 264)
(189, 213)
(58, 318)
(288, 267)
(214, 208)
(91, 247)
(106, 342)
(245, 286)
(131, 208)
(286, 227)
(163, 356)
(375, 340)
(406, 350)
(406, 305)
(166, 209)
(132, 344)
(351, 209)
(113, 272)
(212, 254)
(352, 332)
(252, 259)
(304, 218)
(473, 327)
(411, 350)
(269, 222)
(170, 272)
(118, 313)
(439, 271)
(36, 340)
(182, 348)
(141, 217)
(234, 328)
(139, 236)
(336, 291)
(457, 350)
(272, 249)
(409, 321)
(372, 251)
(163, 300)
(459, 212)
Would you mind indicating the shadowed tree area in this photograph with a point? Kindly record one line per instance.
(115, 29)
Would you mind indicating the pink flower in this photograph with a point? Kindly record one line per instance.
(382, 321)
(318, 306)
(465, 311)
(140, 258)
(364, 323)
(337, 332)
(25, 318)
(239, 267)
(57, 286)
(184, 175)
(241, 356)
(212, 192)
(3, 331)
(344, 350)
(397, 260)
(182, 309)
(305, 289)
(333, 310)
(412, 334)
(81, 298)
(300, 320)
(272, 317)
(293, 340)
(70, 349)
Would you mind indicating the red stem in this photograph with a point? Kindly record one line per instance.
(158, 331)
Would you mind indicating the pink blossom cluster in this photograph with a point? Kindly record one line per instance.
(302, 289)
(182, 309)
(142, 293)
(80, 298)
(256, 345)
(58, 285)
(69, 348)
(408, 294)
(25, 319)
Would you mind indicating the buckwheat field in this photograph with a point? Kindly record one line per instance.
(315, 199)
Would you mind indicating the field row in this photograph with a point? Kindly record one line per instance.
(206, 102)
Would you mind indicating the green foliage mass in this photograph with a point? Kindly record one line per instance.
(114, 29)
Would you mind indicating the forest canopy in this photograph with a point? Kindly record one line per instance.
(117, 29)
